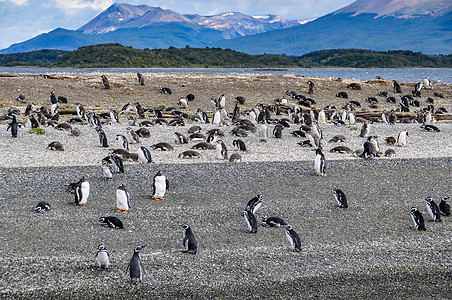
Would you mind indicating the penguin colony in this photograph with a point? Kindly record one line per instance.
(255, 121)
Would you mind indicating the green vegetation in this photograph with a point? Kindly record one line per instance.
(33, 59)
(37, 131)
(360, 58)
(118, 56)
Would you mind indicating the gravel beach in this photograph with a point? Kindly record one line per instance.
(368, 250)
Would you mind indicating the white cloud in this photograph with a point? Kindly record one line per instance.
(72, 7)
(17, 2)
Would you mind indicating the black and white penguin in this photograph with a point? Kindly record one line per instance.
(235, 157)
(132, 136)
(82, 189)
(311, 86)
(417, 218)
(365, 129)
(255, 203)
(106, 170)
(427, 83)
(250, 220)
(102, 258)
(369, 150)
(42, 206)
(81, 113)
(136, 266)
(160, 184)
(319, 162)
(117, 163)
(396, 87)
(105, 82)
(239, 144)
(122, 141)
(53, 99)
(180, 138)
(140, 78)
(273, 222)
(94, 120)
(444, 207)
(102, 137)
(402, 138)
(112, 222)
(165, 90)
(144, 155)
(122, 199)
(221, 150)
(114, 116)
(162, 146)
(14, 125)
(56, 146)
(340, 197)
(429, 127)
(433, 209)
(189, 240)
(293, 238)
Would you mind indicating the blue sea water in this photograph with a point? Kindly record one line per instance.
(406, 75)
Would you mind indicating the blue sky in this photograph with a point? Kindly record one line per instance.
(21, 20)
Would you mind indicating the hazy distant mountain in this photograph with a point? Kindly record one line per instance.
(234, 24)
(416, 25)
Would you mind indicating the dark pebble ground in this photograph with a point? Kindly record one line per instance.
(369, 250)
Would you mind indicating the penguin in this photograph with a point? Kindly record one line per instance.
(293, 238)
(143, 132)
(319, 163)
(160, 185)
(33, 121)
(235, 157)
(54, 109)
(390, 140)
(337, 138)
(250, 220)
(384, 118)
(102, 137)
(273, 222)
(53, 99)
(194, 129)
(203, 116)
(112, 222)
(341, 149)
(106, 170)
(105, 82)
(82, 191)
(162, 146)
(322, 117)
(340, 197)
(402, 138)
(94, 120)
(144, 155)
(254, 204)
(114, 116)
(122, 199)
(81, 113)
(189, 240)
(418, 219)
(427, 83)
(56, 146)
(14, 125)
(365, 129)
(102, 258)
(117, 163)
(374, 140)
(180, 138)
(369, 150)
(239, 144)
(311, 86)
(190, 154)
(132, 136)
(277, 131)
(221, 151)
(136, 266)
(444, 207)
(165, 90)
(390, 153)
(351, 119)
(431, 128)
(396, 87)
(182, 102)
(433, 209)
(216, 118)
(263, 132)
(42, 206)
(122, 141)
(140, 78)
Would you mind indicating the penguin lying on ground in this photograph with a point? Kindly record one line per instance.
(112, 222)
(42, 206)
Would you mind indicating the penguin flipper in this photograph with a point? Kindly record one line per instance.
(167, 184)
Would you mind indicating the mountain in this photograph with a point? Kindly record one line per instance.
(235, 24)
(143, 26)
(417, 25)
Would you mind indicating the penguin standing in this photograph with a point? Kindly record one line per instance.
(263, 132)
(133, 136)
(319, 163)
(427, 83)
(42, 206)
(122, 141)
(136, 266)
(122, 199)
(418, 219)
(102, 137)
(369, 150)
(82, 191)
(114, 116)
(189, 241)
(365, 129)
(340, 197)
(106, 170)
(14, 125)
(433, 209)
(254, 204)
(221, 150)
(144, 155)
(250, 220)
(293, 238)
(396, 87)
(402, 138)
(102, 259)
(322, 117)
(444, 207)
(351, 119)
(160, 184)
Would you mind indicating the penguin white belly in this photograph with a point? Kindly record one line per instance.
(291, 241)
(160, 187)
(122, 202)
(216, 118)
(85, 192)
(102, 259)
(219, 151)
(318, 164)
(322, 117)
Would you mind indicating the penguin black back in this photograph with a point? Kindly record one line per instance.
(250, 220)
(254, 204)
(135, 267)
(340, 197)
(112, 222)
(189, 241)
